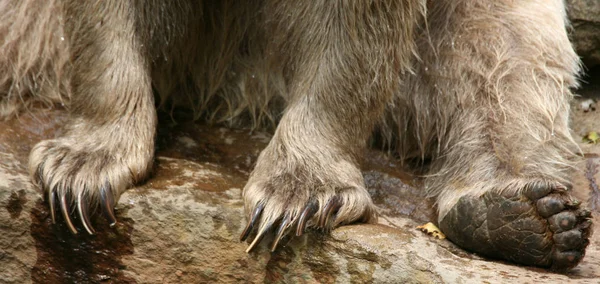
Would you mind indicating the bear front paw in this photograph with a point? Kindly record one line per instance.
(283, 202)
(80, 177)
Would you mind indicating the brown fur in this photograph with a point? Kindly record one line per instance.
(491, 91)
(480, 87)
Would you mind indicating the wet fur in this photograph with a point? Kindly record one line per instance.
(491, 90)
(479, 87)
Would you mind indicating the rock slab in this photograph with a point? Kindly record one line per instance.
(183, 224)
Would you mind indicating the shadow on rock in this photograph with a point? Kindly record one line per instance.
(66, 258)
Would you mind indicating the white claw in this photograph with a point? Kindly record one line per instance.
(84, 219)
(256, 240)
(65, 212)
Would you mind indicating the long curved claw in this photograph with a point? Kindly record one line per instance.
(255, 215)
(285, 224)
(332, 206)
(308, 212)
(259, 237)
(64, 206)
(52, 202)
(107, 202)
(84, 213)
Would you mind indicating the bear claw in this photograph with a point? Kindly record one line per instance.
(295, 220)
(81, 203)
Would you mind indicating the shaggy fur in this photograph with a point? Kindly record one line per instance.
(479, 87)
(491, 91)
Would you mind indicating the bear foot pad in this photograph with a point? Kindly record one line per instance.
(541, 225)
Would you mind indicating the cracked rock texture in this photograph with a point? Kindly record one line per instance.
(585, 20)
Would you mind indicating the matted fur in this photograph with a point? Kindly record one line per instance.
(34, 55)
(489, 99)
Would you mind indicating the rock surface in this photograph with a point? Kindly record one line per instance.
(585, 19)
(183, 224)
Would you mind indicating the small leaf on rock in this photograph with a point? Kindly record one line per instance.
(591, 137)
(432, 230)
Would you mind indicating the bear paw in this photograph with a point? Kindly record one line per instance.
(540, 225)
(283, 203)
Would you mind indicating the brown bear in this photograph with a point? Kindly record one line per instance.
(479, 88)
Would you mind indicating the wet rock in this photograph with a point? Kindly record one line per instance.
(183, 224)
(585, 19)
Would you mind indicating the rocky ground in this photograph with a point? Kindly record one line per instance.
(585, 33)
(183, 224)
